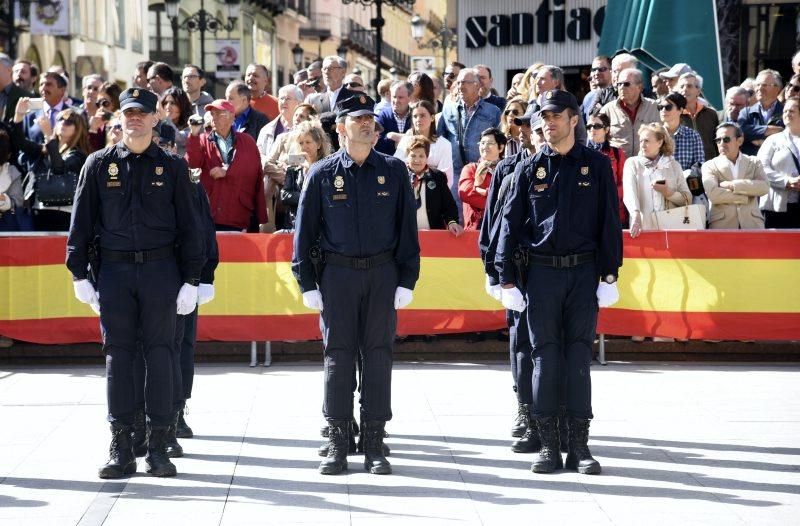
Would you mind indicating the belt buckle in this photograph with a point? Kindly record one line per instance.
(362, 263)
(138, 257)
(565, 262)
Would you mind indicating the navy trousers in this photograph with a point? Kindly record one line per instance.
(519, 346)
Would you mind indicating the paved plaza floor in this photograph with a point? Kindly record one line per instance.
(679, 444)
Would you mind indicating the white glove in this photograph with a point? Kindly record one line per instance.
(205, 293)
(494, 291)
(513, 299)
(313, 300)
(187, 299)
(402, 297)
(95, 307)
(607, 294)
(85, 292)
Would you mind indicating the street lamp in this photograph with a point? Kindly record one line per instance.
(202, 21)
(297, 55)
(444, 39)
(378, 22)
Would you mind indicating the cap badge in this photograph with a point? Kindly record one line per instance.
(135, 93)
(159, 170)
(541, 173)
(113, 169)
(338, 183)
(584, 170)
(381, 179)
(549, 95)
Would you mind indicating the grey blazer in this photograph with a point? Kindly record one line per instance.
(776, 158)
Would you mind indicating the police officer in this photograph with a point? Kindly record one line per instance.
(562, 209)
(139, 201)
(358, 207)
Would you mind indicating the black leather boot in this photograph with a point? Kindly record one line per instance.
(579, 457)
(173, 449)
(529, 442)
(183, 430)
(139, 434)
(158, 463)
(549, 458)
(374, 459)
(563, 428)
(521, 421)
(121, 460)
(352, 448)
(338, 443)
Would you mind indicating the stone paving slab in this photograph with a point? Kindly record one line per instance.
(679, 443)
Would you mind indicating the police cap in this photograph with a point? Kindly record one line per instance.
(558, 100)
(530, 115)
(139, 98)
(355, 106)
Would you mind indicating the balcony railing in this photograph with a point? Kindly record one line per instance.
(363, 40)
(318, 27)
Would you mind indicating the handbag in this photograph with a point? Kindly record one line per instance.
(689, 217)
(55, 189)
(694, 180)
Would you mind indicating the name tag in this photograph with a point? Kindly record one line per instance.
(540, 187)
(383, 194)
(339, 197)
(113, 184)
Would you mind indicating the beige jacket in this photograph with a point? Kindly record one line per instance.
(624, 134)
(638, 177)
(738, 208)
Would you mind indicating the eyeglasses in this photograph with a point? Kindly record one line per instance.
(512, 112)
(67, 120)
(601, 69)
(766, 85)
(328, 68)
(624, 84)
(483, 144)
(459, 82)
(595, 127)
(104, 103)
(794, 87)
(352, 85)
(185, 77)
(665, 107)
(725, 139)
(692, 86)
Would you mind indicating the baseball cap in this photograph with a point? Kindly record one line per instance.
(139, 98)
(676, 71)
(558, 100)
(220, 104)
(355, 106)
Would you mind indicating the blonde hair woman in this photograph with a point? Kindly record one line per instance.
(653, 180)
(527, 86)
(308, 139)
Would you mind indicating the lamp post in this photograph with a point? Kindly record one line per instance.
(202, 21)
(13, 30)
(378, 22)
(444, 39)
(297, 55)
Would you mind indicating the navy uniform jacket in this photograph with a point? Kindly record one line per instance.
(562, 205)
(136, 202)
(492, 215)
(210, 248)
(358, 212)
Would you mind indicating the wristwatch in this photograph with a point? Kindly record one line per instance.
(610, 279)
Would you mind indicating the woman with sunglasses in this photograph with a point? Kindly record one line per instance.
(473, 186)
(515, 108)
(423, 123)
(107, 109)
(599, 128)
(688, 144)
(177, 108)
(792, 88)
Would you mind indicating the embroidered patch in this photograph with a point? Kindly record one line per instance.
(381, 179)
(113, 170)
(159, 170)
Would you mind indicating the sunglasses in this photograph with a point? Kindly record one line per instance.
(624, 84)
(512, 112)
(601, 69)
(595, 127)
(352, 85)
(794, 87)
(665, 107)
(67, 120)
(116, 127)
(208, 127)
(104, 103)
(719, 140)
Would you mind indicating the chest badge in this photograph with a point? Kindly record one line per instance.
(584, 184)
(584, 170)
(541, 173)
(159, 170)
(381, 179)
(113, 170)
(158, 183)
(432, 185)
(338, 183)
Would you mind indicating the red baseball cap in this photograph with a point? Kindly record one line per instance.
(220, 104)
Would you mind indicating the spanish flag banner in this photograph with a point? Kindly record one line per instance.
(700, 285)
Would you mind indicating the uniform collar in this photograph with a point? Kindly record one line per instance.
(546, 150)
(123, 151)
(348, 162)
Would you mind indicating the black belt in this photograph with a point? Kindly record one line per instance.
(359, 263)
(572, 260)
(142, 256)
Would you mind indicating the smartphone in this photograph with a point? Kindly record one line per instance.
(661, 181)
(295, 159)
(35, 104)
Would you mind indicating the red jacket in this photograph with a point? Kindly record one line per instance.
(472, 202)
(233, 197)
(617, 157)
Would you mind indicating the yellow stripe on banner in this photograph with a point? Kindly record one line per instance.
(709, 285)
(452, 284)
(39, 292)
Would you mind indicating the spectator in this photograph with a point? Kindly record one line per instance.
(733, 183)
(333, 71)
(248, 119)
(35, 75)
(513, 110)
(438, 89)
(66, 146)
(796, 63)
(462, 123)
(779, 157)
(599, 128)
(629, 112)
(310, 140)
(792, 87)
(395, 120)
(91, 85)
(422, 89)
(107, 107)
(486, 80)
(451, 74)
(750, 85)
(160, 78)
(164, 137)
(385, 93)
(257, 78)
(193, 79)
(550, 78)
(696, 115)
(11, 209)
(473, 186)
(674, 73)
(527, 86)
(114, 132)
(52, 88)
(23, 75)
(515, 82)
(178, 108)
(440, 152)
(688, 144)
(315, 76)
(139, 79)
(10, 93)
(300, 80)
(276, 155)
(659, 83)
(69, 100)
(653, 180)
(354, 82)
(735, 101)
(619, 64)
(762, 119)
(436, 209)
(231, 171)
(602, 91)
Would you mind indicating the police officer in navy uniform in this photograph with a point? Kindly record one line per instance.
(562, 209)
(357, 206)
(140, 203)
